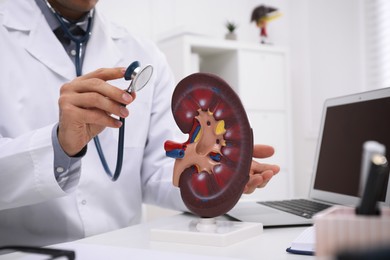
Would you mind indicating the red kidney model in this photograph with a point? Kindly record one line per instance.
(212, 166)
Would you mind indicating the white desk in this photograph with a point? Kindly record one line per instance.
(270, 244)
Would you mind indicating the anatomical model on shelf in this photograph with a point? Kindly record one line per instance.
(262, 15)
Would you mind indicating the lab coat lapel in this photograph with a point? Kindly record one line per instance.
(38, 39)
(102, 52)
(51, 53)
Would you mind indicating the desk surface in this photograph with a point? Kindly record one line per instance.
(270, 244)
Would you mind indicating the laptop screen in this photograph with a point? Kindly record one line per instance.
(345, 128)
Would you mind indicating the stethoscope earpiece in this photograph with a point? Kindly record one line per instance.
(132, 70)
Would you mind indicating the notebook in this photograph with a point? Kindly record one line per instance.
(304, 243)
(346, 123)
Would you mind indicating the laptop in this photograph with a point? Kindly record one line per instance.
(347, 122)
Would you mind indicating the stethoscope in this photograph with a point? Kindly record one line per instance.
(139, 77)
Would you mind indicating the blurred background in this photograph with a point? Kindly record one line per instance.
(332, 48)
(316, 49)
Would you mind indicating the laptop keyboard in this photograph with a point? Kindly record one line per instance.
(300, 207)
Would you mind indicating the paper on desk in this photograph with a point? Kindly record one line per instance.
(305, 242)
(100, 252)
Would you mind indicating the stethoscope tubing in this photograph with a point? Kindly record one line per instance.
(119, 160)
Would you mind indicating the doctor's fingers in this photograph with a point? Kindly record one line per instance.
(99, 86)
(258, 181)
(99, 118)
(91, 100)
(96, 120)
(104, 74)
(257, 167)
(262, 151)
(259, 175)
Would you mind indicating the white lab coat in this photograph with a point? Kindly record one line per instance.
(33, 208)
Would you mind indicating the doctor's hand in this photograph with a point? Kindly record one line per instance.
(86, 107)
(260, 173)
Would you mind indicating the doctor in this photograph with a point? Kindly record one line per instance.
(52, 185)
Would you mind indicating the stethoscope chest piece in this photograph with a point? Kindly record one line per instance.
(139, 76)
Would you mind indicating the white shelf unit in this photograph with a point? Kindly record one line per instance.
(260, 76)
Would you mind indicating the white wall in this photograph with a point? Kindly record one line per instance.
(325, 39)
(326, 60)
(156, 18)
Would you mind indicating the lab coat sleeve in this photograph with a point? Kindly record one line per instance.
(66, 169)
(26, 174)
(157, 169)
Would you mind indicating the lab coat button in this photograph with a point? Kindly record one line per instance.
(60, 169)
(83, 202)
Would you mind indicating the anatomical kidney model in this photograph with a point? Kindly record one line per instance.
(212, 166)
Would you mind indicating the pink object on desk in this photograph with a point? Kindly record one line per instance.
(338, 228)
